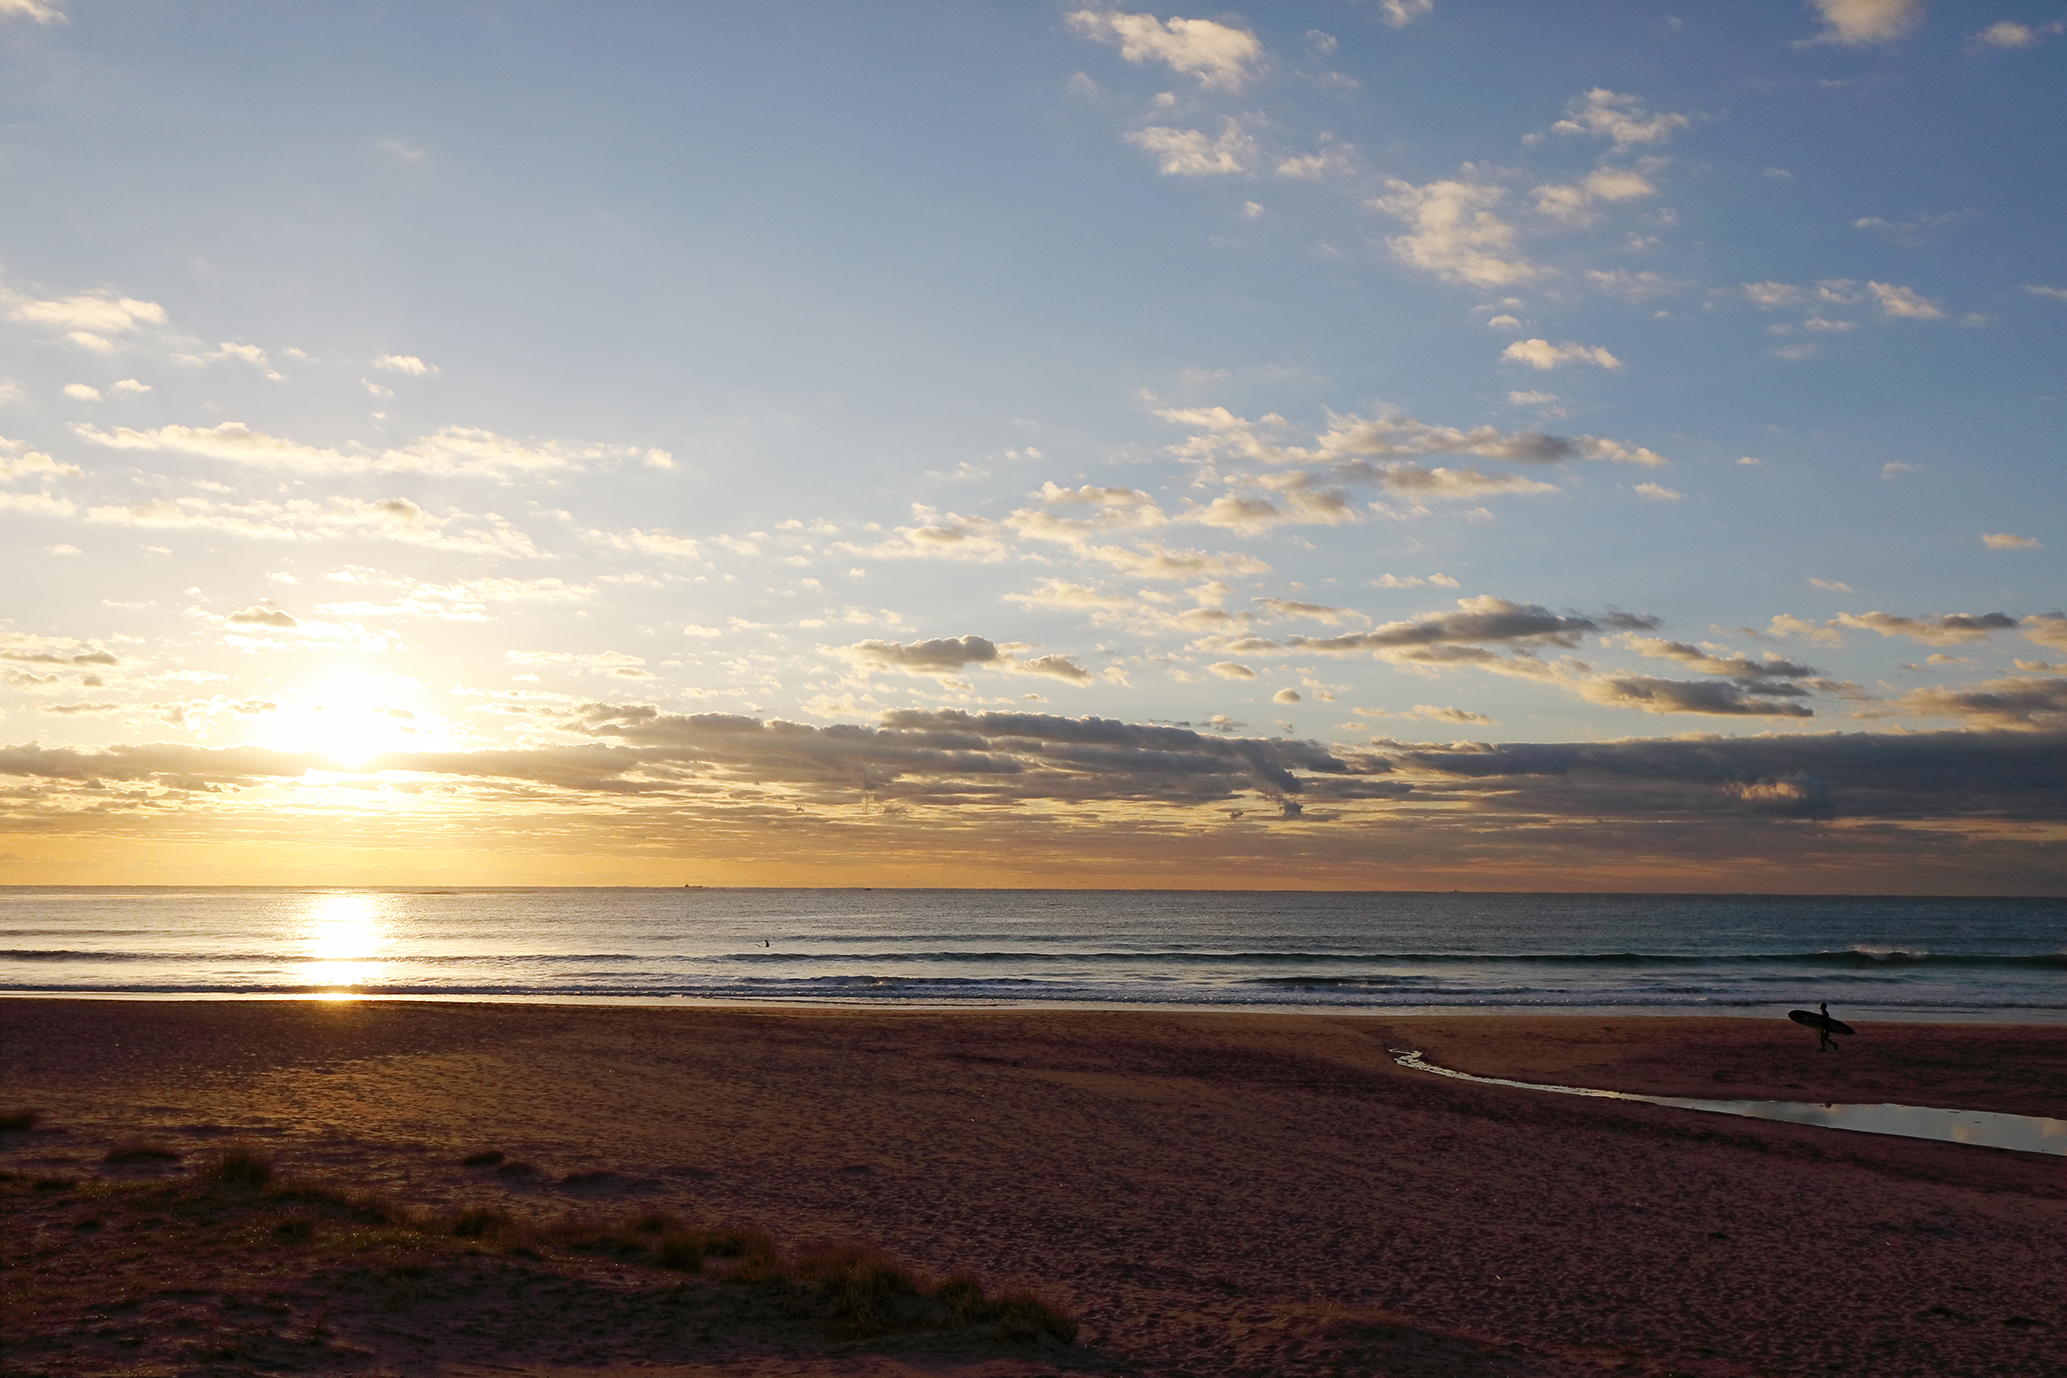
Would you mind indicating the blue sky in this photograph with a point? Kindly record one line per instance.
(961, 444)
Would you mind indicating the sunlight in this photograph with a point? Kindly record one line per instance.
(345, 934)
(352, 720)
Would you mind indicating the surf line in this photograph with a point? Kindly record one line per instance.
(1980, 1128)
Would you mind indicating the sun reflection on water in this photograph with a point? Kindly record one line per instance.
(346, 933)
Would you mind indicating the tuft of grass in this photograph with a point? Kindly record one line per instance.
(139, 1151)
(1020, 1315)
(20, 1121)
(240, 1166)
(487, 1157)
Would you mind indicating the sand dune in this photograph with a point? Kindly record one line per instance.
(1206, 1193)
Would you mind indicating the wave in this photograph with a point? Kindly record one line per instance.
(1869, 958)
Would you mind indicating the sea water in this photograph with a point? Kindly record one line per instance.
(1919, 958)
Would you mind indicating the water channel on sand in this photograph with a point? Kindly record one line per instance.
(1982, 1128)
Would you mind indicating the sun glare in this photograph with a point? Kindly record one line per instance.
(350, 719)
(346, 933)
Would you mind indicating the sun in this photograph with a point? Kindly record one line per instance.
(349, 719)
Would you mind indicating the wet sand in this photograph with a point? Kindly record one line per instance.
(1206, 1193)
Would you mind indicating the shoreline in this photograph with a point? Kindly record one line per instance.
(1208, 1193)
(2020, 1016)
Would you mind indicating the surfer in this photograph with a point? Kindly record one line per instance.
(1823, 1024)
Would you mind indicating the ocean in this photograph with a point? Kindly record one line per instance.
(1918, 958)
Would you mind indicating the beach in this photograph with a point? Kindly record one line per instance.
(1206, 1193)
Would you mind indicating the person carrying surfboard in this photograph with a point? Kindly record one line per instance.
(1823, 1024)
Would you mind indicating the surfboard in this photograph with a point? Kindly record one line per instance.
(1809, 1019)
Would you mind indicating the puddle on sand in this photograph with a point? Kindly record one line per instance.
(1984, 1128)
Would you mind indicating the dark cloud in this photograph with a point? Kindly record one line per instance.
(1698, 696)
(1478, 620)
(941, 655)
(1742, 667)
(1898, 776)
(1948, 629)
(2034, 703)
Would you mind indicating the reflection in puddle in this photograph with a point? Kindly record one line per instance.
(345, 933)
(1986, 1128)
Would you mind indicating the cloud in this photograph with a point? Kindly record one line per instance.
(1111, 510)
(1192, 153)
(1285, 696)
(300, 519)
(17, 460)
(403, 151)
(1633, 286)
(264, 615)
(454, 451)
(1711, 663)
(1303, 507)
(1153, 561)
(2008, 33)
(1222, 58)
(131, 385)
(1319, 612)
(1228, 669)
(2002, 540)
(1477, 620)
(1696, 696)
(34, 11)
(1895, 468)
(616, 664)
(943, 657)
(1543, 354)
(25, 649)
(1915, 231)
(1859, 22)
(1413, 581)
(405, 363)
(82, 392)
(1330, 160)
(90, 316)
(1350, 438)
(2015, 704)
(1902, 303)
(1400, 13)
(1949, 629)
(1604, 114)
(1455, 235)
(937, 537)
(1658, 492)
(2047, 629)
(2057, 293)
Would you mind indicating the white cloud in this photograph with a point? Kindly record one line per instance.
(1607, 114)
(33, 10)
(82, 392)
(452, 451)
(1400, 13)
(1657, 492)
(1531, 399)
(1330, 160)
(1770, 296)
(1455, 234)
(2002, 540)
(1751, 460)
(17, 460)
(405, 363)
(1219, 56)
(301, 519)
(1503, 323)
(89, 317)
(403, 151)
(1545, 355)
(1303, 507)
(1858, 22)
(2057, 293)
(1831, 585)
(1228, 669)
(1895, 468)
(132, 386)
(2008, 33)
(1902, 302)
(1631, 285)
(1190, 153)
(1414, 581)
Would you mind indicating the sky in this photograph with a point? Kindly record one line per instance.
(1394, 445)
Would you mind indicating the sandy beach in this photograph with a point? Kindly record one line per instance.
(1204, 1193)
